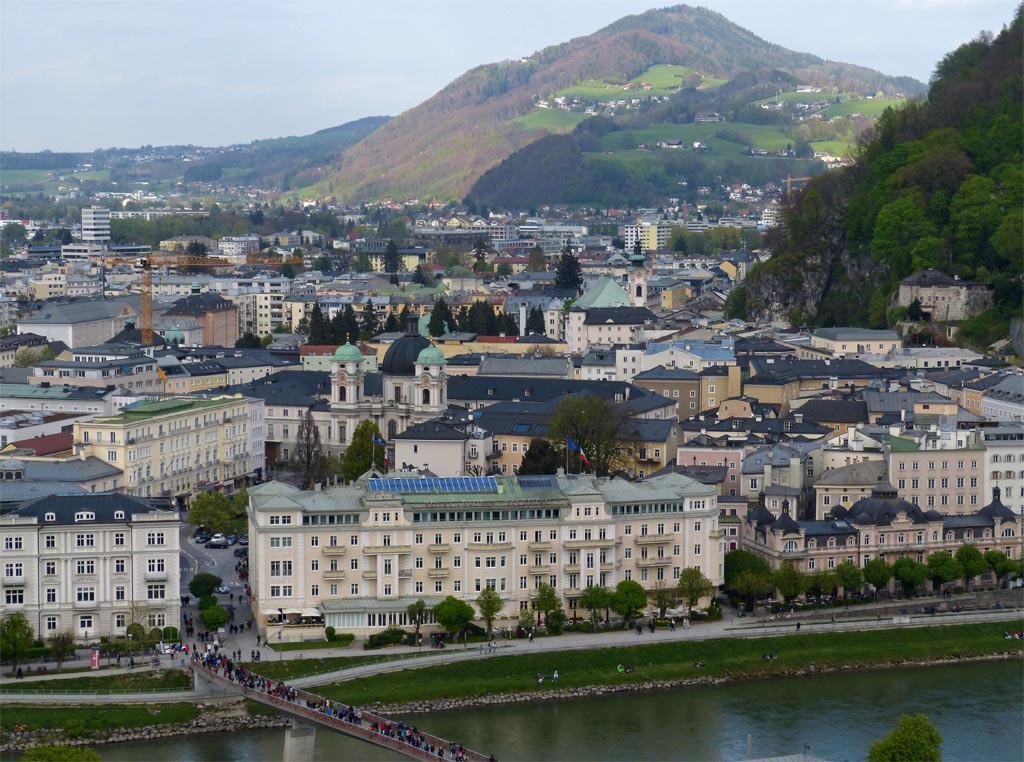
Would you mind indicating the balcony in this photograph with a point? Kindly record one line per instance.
(647, 562)
(542, 569)
(444, 571)
(336, 574)
(14, 579)
(156, 576)
(486, 546)
(539, 546)
(572, 568)
(571, 592)
(605, 543)
(333, 550)
(374, 549)
(405, 573)
(84, 605)
(653, 539)
(442, 547)
(370, 574)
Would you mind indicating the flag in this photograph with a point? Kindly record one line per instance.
(583, 457)
(379, 441)
(569, 443)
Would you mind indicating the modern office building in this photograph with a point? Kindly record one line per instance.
(95, 224)
(91, 564)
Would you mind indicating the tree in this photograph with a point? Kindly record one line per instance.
(877, 573)
(28, 357)
(419, 277)
(248, 341)
(417, 614)
(536, 262)
(943, 568)
(541, 458)
(693, 586)
(489, 603)
(391, 258)
(440, 319)
(914, 311)
(752, 584)
(1000, 565)
(596, 426)
(503, 270)
(850, 577)
(788, 581)
(569, 274)
(213, 510)
(546, 600)
(914, 737)
(371, 324)
(287, 270)
(391, 324)
(535, 322)
(60, 754)
(821, 582)
(479, 250)
(362, 454)
(664, 597)
(266, 341)
(972, 561)
(307, 450)
(453, 614)
(910, 574)
(739, 561)
(319, 327)
(629, 600)
(203, 584)
(62, 645)
(15, 639)
(322, 263)
(594, 599)
(214, 617)
(196, 249)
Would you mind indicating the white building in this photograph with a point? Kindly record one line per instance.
(1004, 463)
(91, 564)
(95, 224)
(238, 247)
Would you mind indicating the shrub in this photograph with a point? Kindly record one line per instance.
(556, 621)
(203, 584)
(329, 633)
(137, 632)
(170, 633)
(155, 634)
(207, 602)
(392, 636)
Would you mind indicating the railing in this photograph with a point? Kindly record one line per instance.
(485, 546)
(334, 574)
(333, 550)
(653, 539)
(444, 571)
(373, 549)
(539, 546)
(596, 543)
(362, 731)
(439, 548)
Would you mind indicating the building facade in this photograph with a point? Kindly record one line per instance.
(355, 557)
(92, 565)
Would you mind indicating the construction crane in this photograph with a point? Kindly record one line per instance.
(790, 181)
(146, 265)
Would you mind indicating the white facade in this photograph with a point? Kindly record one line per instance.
(1004, 464)
(95, 224)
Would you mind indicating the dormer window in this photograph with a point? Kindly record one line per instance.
(50, 517)
(118, 515)
(85, 516)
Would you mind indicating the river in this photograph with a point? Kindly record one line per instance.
(976, 707)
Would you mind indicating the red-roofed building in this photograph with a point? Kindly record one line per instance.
(50, 444)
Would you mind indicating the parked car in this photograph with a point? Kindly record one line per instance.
(243, 540)
(231, 539)
(222, 589)
(215, 543)
(202, 537)
(241, 552)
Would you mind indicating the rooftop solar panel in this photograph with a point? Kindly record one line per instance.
(447, 485)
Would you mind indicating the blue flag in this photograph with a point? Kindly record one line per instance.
(572, 445)
(379, 441)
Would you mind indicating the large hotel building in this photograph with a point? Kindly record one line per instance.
(355, 557)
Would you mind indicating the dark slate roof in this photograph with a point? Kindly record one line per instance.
(296, 388)
(930, 277)
(661, 373)
(785, 522)
(536, 338)
(826, 528)
(834, 411)
(712, 475)
(103, 504)
(996, 510)
(882, 507)
(648, 429)
(781, 370)
(618, 316)
(433, 431)
(400, 359)
(200, 304)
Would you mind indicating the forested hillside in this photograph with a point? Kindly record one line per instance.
(940, 184)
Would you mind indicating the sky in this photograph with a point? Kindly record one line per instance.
(76, 75)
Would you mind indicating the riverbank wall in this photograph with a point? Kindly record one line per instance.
(212, 722)
(591, 691)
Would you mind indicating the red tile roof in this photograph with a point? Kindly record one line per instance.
(48, 444)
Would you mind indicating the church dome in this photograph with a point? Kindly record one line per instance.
(400, 359)
(347, 353)
(430, 355)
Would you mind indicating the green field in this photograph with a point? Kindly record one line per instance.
(343, 640)
(794, 97)
(768, 137)
(13, 179)
(710, 83)
(872, 107)
(665, 79)
(553, 119)
(723, 657)
(96, 717)
(162, 680)
(834, 147)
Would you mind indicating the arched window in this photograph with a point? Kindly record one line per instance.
(53, 517)
(341, 393)
(790, 547)
(812, 544)
(639, 290)
(426, 396)
(831, 542)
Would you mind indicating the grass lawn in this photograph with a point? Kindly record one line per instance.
(553, 119)
(66, 671)
(834, 147)
(710, 83)
(283, 670)
(256, 709)
(161, 680)
(340, 641)
(766, 136)
(670, 661)
(95, 717)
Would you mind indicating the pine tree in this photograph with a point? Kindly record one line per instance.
(351, 325)
(569, 274)
(391, 324)
(391, 259)
(371, 324)
(440, 319)
(535, 321)
(319, 327)
(338, 328)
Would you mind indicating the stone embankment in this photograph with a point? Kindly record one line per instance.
(17, 742)
(591, 691)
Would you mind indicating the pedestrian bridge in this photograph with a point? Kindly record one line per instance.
(299, 739)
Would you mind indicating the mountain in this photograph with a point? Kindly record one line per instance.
(940, 186)
(442, 146)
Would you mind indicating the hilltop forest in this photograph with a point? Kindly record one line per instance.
(938, 183)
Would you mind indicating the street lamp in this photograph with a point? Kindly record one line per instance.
(129, 648)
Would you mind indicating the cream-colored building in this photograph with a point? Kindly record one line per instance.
(174, 447)
(355, 557)
(938, 469)
(91, 564)
(856, 340)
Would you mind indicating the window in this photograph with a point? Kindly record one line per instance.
(154, 538)
(85, 567)
(15, 596)
(85, 540)
(314, 565)
(696, 550)
(119, 539)
(51, 595)
(314, 542)
(85, 622)
(119, 566)
(85, 594)
(280, 568)
(50, 541)
(51, 624)
(280, 542)
(12, 543)
(314, 590)
(13, 570)
(155, 592)
(119, 593)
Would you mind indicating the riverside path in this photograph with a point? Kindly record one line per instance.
(312, 710)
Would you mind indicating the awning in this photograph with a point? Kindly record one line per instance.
(295, 612)
(312, 612)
